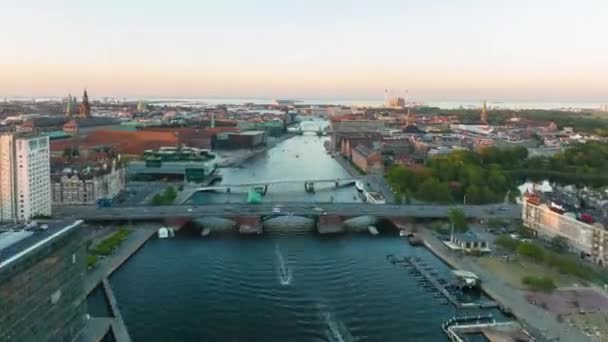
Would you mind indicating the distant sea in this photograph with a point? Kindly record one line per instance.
(445, 104)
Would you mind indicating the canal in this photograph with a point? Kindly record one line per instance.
(299, 158)
(282, 286)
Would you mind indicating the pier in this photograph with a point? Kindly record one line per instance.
(119, 328)
(418, 268)
(438, 285)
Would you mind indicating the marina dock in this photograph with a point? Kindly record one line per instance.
(429, 280)
(420, 270)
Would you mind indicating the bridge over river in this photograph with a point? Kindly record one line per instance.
(159, 213)
(307, 184)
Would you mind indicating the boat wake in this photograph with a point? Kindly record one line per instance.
(284, 273)
(336, 329)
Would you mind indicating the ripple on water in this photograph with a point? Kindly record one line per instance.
(227, 289)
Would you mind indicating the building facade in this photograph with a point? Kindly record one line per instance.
(592, 240)
(75, 188)
(25, 183)
(367, 159)
(42, 294)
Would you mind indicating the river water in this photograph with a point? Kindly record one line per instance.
(280, 286)
(299, 158)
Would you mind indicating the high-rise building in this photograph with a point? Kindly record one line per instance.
(141, 106)
(484, 114)
(42, 284)
(85, 107)
(25, 179)
(391, 101)
(69, 108)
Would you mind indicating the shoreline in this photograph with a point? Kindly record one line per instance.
(545, 327)
(236, 161)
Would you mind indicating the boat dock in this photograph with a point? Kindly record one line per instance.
(428, 278)
(420, 270)
(457, 328)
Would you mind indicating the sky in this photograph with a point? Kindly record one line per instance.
(438, 49)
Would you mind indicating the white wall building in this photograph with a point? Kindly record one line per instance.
(582, 237)
(25, 181)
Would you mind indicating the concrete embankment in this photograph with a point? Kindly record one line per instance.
(108, 265)
(97, 327)
(119, 327)
(539, 322)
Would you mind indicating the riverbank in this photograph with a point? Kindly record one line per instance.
(234, 158)
(375, 183)
(97, 327)
(536, 320)
(106, 266)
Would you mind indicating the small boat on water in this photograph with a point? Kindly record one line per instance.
(402, 233)
(163, 233)
(359, 186)
(205, 232)
(373, 230)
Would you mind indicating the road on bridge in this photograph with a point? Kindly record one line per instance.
(506, 211)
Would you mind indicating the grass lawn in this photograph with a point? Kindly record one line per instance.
(513, 272)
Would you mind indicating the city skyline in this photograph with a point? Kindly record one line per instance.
(549, 50)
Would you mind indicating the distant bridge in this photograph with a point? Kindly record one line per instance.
(308, 184)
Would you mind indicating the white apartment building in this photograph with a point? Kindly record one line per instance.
(582, 237)
(25, 180)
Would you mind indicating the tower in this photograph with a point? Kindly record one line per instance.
(410, 118)
(386, 104)
(141, 106)
(68, 107)
(484, 114)
(85, 107)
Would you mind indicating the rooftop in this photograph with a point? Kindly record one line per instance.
(16, 241)
(467, 237)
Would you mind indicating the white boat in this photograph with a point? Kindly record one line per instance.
(205, 232)
(372, 230)
(402, 233)
(163, 233)
(375, 198)
(359, 186)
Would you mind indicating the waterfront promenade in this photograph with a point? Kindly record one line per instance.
(97, 327)
(532, 317)
(377, 183)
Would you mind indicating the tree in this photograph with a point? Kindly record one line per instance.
(458, 220)
(507, 243)
(432, 190)
(531, 250)
(559, 244)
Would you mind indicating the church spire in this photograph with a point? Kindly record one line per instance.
(484, 114)
(85, 107)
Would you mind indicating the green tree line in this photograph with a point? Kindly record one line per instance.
(489, 175)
